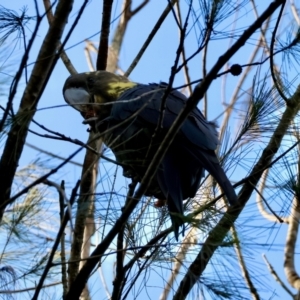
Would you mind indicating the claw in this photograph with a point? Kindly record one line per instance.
(160, 203)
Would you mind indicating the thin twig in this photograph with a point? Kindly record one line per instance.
(15, 82)
(243, 77)
(183, 56)
(63, 55)
(119, 280)
(277, 278)
(150, 37)
(198, 93)
(52, 154)
(64, 277)
(28, 289)
(102, 278)
(84, 202)
(39, 180)
(261, 197)
(208, 32)
(56, 243)
(63, 199)
(88, 57)
(139, 7)
(243, 266)
(173, 72)
(294, 12)
(272, 66)
(42, 70)
(188, 241)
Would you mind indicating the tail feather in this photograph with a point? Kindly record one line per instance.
(210, 162)
(218, 173)
(176, 218)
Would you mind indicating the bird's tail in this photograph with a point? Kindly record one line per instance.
(176, 217)
(218, 173)
(210, 162)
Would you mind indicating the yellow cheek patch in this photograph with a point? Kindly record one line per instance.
(99, 99)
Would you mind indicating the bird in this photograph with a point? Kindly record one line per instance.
(133, 125)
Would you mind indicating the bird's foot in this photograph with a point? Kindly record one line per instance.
(160, 203)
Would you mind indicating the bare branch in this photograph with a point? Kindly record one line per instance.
(243, 266)
(119, 280)
(84, 204)
(52, 154)
(272, 67)
(183, 56)
(40, 74)
(106, 59)
(29, 289)
(189, 240)
(275, 275)
(87, 51)
(294, 11)
(64, 277)
(260, 199)
(63, 55)
(229, 107)
(139, 7)
(291, 239)
(39, 180)
(56, 243)
(103, 44)
(220, 230)
(127, 14)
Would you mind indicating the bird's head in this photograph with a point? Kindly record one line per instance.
(92, 92)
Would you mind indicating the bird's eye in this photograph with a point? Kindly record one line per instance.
(90, 80)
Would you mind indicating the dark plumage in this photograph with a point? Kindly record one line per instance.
(134, 140)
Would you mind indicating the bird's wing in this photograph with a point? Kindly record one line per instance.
(198, 136)
(147, 99)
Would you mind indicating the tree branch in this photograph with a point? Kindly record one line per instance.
(150, 37)
(104, 36)
(275, 275)
(63, 55)
(56, 243)
(40, 74)
(217, 235)
(291, 239)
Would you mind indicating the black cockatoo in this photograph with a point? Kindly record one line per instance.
(128, 114)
